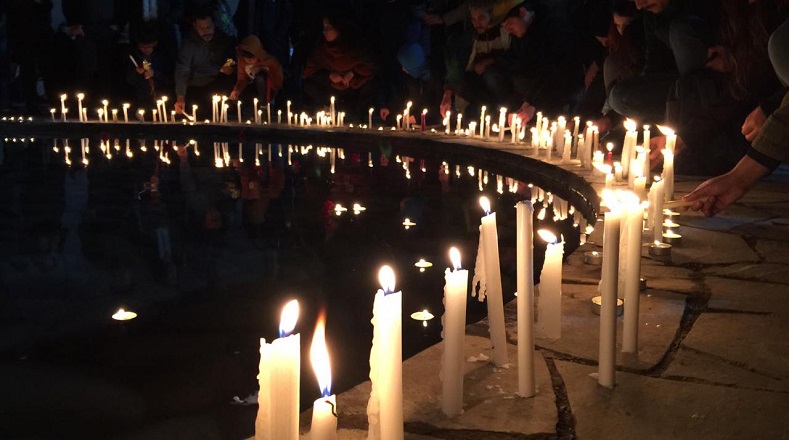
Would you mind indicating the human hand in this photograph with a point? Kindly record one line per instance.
(656, 146)
(384, 113)
(76, 31)
(335, 78)
(446, 104)
(347, 77)
(714, 195)
(226, 69)
(234, 95)
(481, 66)
(140, 69)
(753, 124)
(180, 105)
(603, 124)
(148, 74)
(526, 112)
(719, 59)
(433, 19)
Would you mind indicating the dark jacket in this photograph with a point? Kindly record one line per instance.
(269, 20)
(199, 62)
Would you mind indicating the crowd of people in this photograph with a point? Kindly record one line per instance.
(714, 70)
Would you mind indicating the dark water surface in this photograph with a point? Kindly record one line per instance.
(207, 256)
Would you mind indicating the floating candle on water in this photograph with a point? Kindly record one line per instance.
(593, 258)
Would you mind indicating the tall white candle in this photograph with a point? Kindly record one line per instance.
(634, 217)
(525, 239)
(194, 112)
(385, 407)
(164, 110)
(255, 110)
(657, 210)
(238, 110)
(482, 121)
(447, 121)
(80, 97)
(548, 321)
(126, 112)
(278, 377)
(489, 242)
(333, 121)
(487, 127)
(502, 123)
(370, 118)
(115, 115)
(288, 113)
(324, 409)
(454, 322)
(607, 346)
(63, 106)
(668, 175)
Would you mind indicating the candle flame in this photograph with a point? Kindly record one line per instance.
(485, 204)
(424, 111)
(630, 125)
(124, 315)
(547, 236)
(609, 146)
(290, 314)
(319, 356)
(665, 130)
(454, 257)
(386, 277)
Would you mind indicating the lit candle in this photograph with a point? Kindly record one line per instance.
(656, 205)
(447, 120)
(100, 112)
(609, 158)
(488, 273)
(255, 110)
(63, 106)
(525, 285)
(279, 116)
(370, 118)
(52, 112)
(407, 116)
(459, 125)
(115, 115)
(482, 121)
(647, 165)
(238, 110)
(658, 249)
(672, 238)
(214, 108)
(399, 122)
(593, 258)
(549, 301)
(288, 113)
(668, 175)
(385, 407)
(141, 115)
(105, 103)
(164, 110)
(424, 120)
(194, 112)
(502, 123)
(576, 125)
(632, 225)
(268, 113)
(278, 377)
(487, 127)
(80, 97)
(609, 284)
(618, 171)
(640, 184)
(455, 292)
(331, 111)
(324, 409)
(154, 112)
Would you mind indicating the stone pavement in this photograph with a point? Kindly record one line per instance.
(713, 359)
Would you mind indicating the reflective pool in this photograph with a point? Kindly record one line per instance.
(206, 242)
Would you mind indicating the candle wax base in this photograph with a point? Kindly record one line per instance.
(661, 250)
(593, 258)
(596, 305)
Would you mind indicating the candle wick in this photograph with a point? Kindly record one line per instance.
(333, 408)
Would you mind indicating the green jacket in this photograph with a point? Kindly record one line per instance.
(773, 140)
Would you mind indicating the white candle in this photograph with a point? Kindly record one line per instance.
(657, 209)
(105, 103)
(141, 115)
(668, 175)
(268, 114)
(279, 116)
(646, 163)
(482, 122)
(238, 110)
(399, 122)
(631, 236)
(164, 110)
(576, 124)
(370, 118)
(548, 321)
(125, 112)
(80, 97)
(502, 123)
(629, 146)
(324, 409)
(288, 113)
(331, 111)
(194, 112)
(52, 112)
(454, 321)
(640, 187)
(115, 115)
(447, 120)
(491, 270)
(63, 106)
(255, 110)
(607, 346)
(525, 238)
(567, 148)
(407, 116)
(100, 112)
(278, 377)
(487, 127)
(385, 407)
